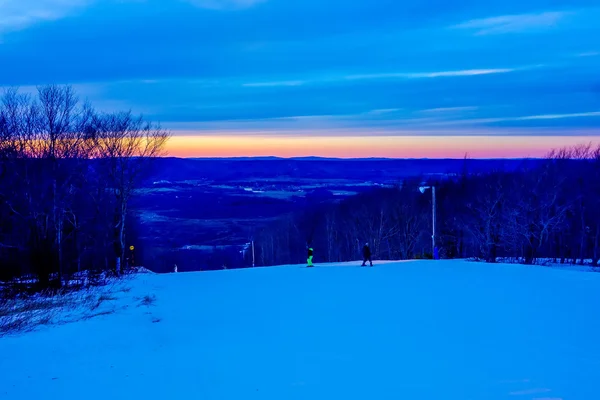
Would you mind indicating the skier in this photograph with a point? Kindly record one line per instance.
(310, 257)
(366, 255)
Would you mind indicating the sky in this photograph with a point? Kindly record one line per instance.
(337, 78)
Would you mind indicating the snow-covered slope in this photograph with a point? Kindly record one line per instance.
(403, 330)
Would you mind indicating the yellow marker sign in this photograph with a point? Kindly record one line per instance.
(131, 248)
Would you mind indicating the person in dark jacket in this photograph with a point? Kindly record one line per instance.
(310, 257)
(367, 255)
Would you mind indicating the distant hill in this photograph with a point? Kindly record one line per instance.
(179, 169)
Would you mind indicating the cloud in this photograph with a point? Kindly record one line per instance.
(375, 67)
(417, 75)
(523, 118)
(19, 14)
(383, 111)
(589, 54)
(274, 84)
(449, 109)
(559, 116)
(514, 23)
(328, 78)
(225, 4)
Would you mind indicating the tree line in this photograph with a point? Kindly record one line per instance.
(546, 209)
(67, 174)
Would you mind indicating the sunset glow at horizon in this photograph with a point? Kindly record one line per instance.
(228, 145)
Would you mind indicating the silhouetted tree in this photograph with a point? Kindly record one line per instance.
(545, 209)
(59, 163)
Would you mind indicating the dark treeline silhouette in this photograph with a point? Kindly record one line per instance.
(67, 174)
(548, 209)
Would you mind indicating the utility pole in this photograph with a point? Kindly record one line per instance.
(433, 231)
(433, 209)
(252, 253)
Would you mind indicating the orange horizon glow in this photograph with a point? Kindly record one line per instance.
(366, 147)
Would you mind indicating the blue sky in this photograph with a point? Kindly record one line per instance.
(522, 67)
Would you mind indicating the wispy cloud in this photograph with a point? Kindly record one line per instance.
(225, 4)
(19, 14)
(514, 23)
(476, 121)
(449, 109)
(438, 74)
(589, 54)
(560, 116)
(327, 78)
(383, 111)
(274, 84)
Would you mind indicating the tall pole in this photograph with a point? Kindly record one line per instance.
(252, 252)
(433, 212)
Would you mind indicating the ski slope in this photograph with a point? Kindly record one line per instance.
(400, 330)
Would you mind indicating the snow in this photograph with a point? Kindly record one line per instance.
(400, 330)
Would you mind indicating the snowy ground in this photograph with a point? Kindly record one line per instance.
(407, 330)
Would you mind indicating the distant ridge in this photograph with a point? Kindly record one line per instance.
(317, 158)
(365, 169)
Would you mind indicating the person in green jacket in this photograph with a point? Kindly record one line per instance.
(310, 257)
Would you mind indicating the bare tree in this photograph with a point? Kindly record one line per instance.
(127, 144)
(54, 188)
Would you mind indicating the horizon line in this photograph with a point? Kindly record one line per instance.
(307, 158)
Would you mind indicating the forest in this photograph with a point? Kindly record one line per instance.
(546, 210)
(67, 174)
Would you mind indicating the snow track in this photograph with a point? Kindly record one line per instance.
(401, 330)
